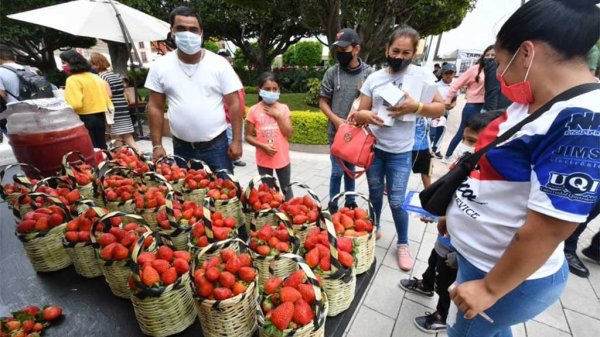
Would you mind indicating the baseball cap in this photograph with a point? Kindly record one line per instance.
(346, 37)
(223, 52)
(448, 67)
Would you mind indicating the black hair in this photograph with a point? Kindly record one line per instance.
(481, 63)
(444, 63)
(77, 63)
(480, 121)
(263, 78)
(182, 11)
(6, 53)
(404, 31)
(570, 27)
(437, 65)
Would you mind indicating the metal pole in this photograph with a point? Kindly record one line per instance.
(128, 40)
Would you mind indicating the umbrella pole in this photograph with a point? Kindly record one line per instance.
(128, 39)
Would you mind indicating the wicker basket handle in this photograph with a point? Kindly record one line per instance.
(370, 210)
(173, 159)
(337, 270)
(282, 217)
(34, 196)
(21, 179)
(203, 166)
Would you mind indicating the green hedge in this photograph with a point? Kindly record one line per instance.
(309, 128)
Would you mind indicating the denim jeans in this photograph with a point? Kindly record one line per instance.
(525, 302)
(470, 109)
(392, 169)
(335, 180)
(215, 155)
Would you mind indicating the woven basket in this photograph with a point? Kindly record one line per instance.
(212, 249)
(149, 215)
(17, 178)
(314, 329)
(365, 244)
(125, 207)
(233, 317)
(196, 196)
(231, 208)
(176, 184)
(179, 236)
(252, 216)
(87, 191)
(83, 254)
(45, 250)
(301, 231)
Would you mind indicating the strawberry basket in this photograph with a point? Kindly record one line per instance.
(304, 212)
(41, 232)
(160, 289)
(119, 185)
(332, 259)
(22, 183)
(224, 194)
(176, 219)
(305, 316)
(130, 158)
(270, 241)
(195, 184)
(225, 292)
(357, 224)
(114, 242)
(151, 197)
(77, 241)
(81, 174)
(168, 167)
(263, 193)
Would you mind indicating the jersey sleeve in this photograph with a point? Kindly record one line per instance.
(327, 86)
(565, 175)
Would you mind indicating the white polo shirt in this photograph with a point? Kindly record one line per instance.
(194, 94)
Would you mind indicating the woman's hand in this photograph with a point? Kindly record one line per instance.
(367, 117)
(473, 297)
(269, 149)
(407, 106)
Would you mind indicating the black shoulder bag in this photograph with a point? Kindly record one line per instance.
(436, 198)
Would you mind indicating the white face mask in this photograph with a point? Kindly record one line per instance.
(460, 150)
(188, 42)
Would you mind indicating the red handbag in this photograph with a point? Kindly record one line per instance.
(353, 144)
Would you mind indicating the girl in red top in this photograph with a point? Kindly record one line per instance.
(268, 127)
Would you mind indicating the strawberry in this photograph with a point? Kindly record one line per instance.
(325, 263)
(55, 220)
(146, 257)
(160, 265)
(107, 252)
(229, 222)
(245, 260)
(221, 233)
(222, 293)
(72, 237)
(308, 292)
(31, 310)
(312, 257)
(360, 214)
(169, 276)
(149, 276)
(265, 233)
(344, 244)
(239, 288)
(345, 259)
(181, 254)
(247, 274)
(165, 252)
(51, 313)
(120, 252)
(106, 239)
(300, 219)
(27, 325)
(205, 288)
(181, 266)
(233, 265)
(38, 327)
(212, 274)
(303, 314)
(289, 294)
(346, 221)
(263, 250)
(295, 279)
(227, 279)
(282, 315)
(272, 284)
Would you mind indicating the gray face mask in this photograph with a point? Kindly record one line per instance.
(188, 42)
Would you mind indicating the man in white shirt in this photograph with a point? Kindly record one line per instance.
(9, 81)
(196, 83)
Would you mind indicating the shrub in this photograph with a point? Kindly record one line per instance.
(250, 89)
(312, 94)
(138, 76)
(309, 128)
(304, 54)
(211, 45)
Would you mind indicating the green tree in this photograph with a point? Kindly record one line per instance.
(34, 45)
(211, 45)
(304, 53)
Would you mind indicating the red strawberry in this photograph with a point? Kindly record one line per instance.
(344, 244)
(282, 315)
(169, 276)
(233, 265)
(165, 252)
(146, 257)
(247, 274)
(149, 276)
(325, 263)
(181, 266)
(265, 233)
(312, 258)
(183, 255)
(51, 313)
(245, 260)
(72, 237)
(84, 236)
(345, 259)
(272, 284)
(263, 250)
(106, 239)
(303, 314)
(160, 265)
(289, 294)
(55, 220)
(107, 252)
(212, 274)
(205, 288)
(121, 252)
(239, 288)
(308, 293)
(221, 233)
(227, 279)
(222, 293)
(73, 196)
(295, 279)
(227, 254)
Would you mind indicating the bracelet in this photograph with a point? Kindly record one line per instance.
(156, 147)
(420, 109)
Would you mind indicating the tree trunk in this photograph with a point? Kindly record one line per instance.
(119, 54)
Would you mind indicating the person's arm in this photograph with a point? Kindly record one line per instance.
(108, 89)
(530, 248)
(364, 115)
(326, 94)
(463, 80)
(251, 139)
(74, 94)
(282, 116)
(156, 118)
(410, 105)
(236, 115)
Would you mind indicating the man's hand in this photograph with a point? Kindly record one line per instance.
(269, 149)
(337, 122)
(235, 150)
(158, 153)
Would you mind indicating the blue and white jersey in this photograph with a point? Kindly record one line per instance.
(551, 166)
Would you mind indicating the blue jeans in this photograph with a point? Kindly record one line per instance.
(525, 302)
(394, 170)
(469, 110)
(335, 180)
(214, 155)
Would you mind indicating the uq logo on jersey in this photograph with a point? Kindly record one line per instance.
(576, 186)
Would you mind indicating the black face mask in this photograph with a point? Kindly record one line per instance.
(398, 64)
(344, 58)
(488, 61)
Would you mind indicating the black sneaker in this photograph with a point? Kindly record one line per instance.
(438, 155)
(430, 323)
(351, 205)
(591, 254)
(239, 163)
(415, 285)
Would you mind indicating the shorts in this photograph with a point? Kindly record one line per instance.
(421, 162)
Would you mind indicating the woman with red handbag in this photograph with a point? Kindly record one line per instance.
(393, 148)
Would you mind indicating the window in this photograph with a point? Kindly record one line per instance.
(141, 44)
(144, 58)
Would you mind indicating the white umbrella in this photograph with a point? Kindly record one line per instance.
(99, 19)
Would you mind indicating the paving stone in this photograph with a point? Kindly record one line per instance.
(583, 325)
(536, 329)
(385, 296)
(388, 231)
(519, 330)
(417, 272)
(426, 246)
(370, 323)
(404, 324)
(416, 228)
(579, 296)
(554, 317)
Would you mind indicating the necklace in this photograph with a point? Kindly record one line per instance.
(184, 66)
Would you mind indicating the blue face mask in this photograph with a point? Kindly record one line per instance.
(268, 96)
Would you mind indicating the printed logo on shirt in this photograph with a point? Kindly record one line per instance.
(463, 195)
(577, 155)
(576, 186)
(583, 124)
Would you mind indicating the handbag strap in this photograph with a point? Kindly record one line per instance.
(565, 95)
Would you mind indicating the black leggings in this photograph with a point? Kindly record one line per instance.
(439, 276)
(96, 125)
(283, 175)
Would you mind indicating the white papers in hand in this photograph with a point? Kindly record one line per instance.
(391, 96)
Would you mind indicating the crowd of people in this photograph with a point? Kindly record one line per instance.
(500, 249)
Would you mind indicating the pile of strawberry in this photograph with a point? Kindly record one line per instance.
(288, 304)
(301, 210)
(224, 276)
(66, 195)
(127, 158)
(117, 244)
(41, 220)
(222, 189)
(83, 174)
(265, 197)
(171, 172)
(186, 214)
(318, 254)
(352, 222)
(161, 268)
(29, 321)
(78, 229)
(150, 197)
(269, 241)
(223, 228)
(196, 179)
(119, 189)
(12, 188)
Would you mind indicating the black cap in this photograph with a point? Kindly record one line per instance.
(346, 37)
(448, 67)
